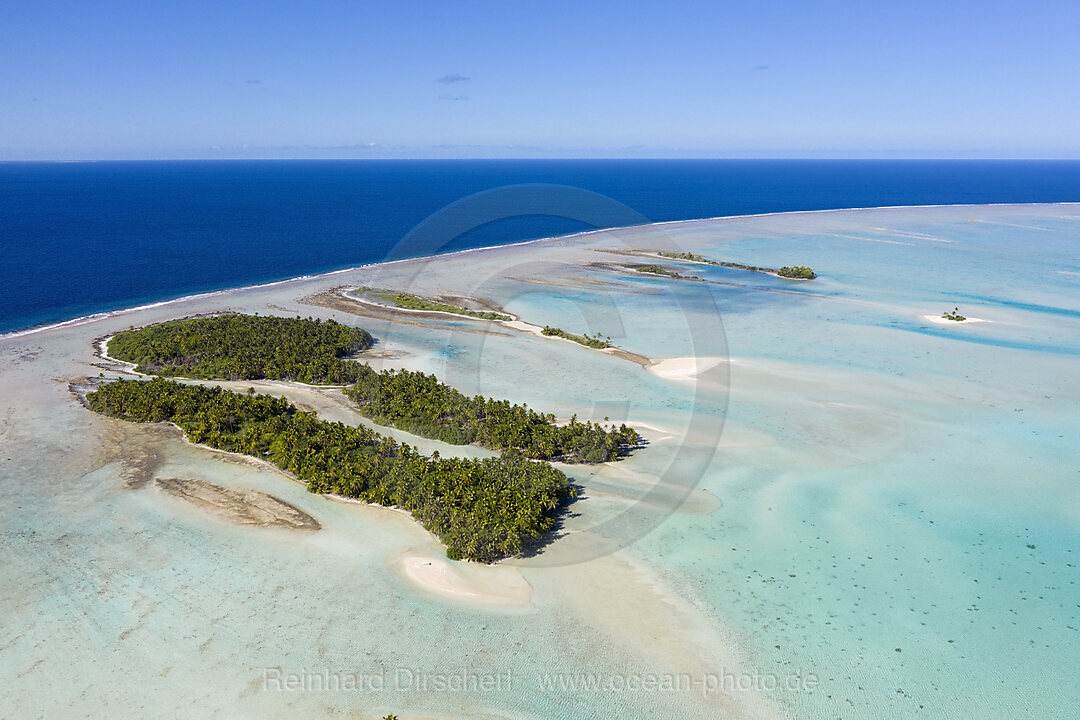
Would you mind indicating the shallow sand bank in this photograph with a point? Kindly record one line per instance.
(499, 586)
(249, 507)
(684, 368)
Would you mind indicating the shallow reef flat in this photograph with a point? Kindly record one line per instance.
(241, 507)
(844, 507)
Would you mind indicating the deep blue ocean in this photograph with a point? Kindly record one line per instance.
(79, 238)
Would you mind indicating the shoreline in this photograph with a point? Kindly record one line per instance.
(717, 263)
(106, 314)
(776, 437)
(497, 586)
(514, 323)
(686, 368)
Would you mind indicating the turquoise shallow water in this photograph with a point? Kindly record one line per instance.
(912, 537)
(908, 530)
(904, 523)
(892, 508)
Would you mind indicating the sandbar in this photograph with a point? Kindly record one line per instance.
(684, 368)
(502, 586)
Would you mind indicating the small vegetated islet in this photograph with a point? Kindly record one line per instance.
(245, 347)
(796, 272)
(587, 340)
(415, 302)
(657, 270)
(688, 256)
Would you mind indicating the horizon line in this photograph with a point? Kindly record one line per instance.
(839, 158)
(318, 275)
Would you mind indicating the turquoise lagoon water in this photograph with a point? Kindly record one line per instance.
(912, 536)
(905, 524)
(884, 505)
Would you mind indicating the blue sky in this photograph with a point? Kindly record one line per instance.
(108, 80)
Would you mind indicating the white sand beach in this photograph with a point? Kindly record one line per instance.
(498, 586)
(684, 368)
(939, 320)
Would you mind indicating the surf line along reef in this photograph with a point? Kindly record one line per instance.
(481, 510)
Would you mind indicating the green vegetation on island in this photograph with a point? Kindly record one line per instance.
(245, 347)
(687, 256)
(418, 403)
(481, 510)
(415, 302)
(657, 270)
(691, 257)
(953, 314)
(797, 272)
(597, 343)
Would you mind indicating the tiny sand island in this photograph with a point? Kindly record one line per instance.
(952, 317)
(496, 586)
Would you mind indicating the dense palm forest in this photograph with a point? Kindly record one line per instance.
(418, 403)
(797, 272)
(480, 509)
(245, 347)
